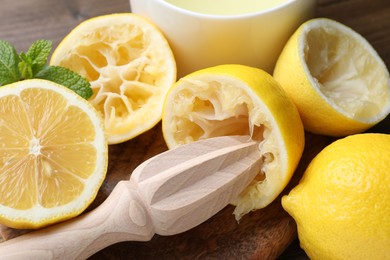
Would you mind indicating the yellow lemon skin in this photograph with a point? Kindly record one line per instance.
(341, 205)
(336, 79)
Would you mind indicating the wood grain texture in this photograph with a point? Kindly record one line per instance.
(22, 22)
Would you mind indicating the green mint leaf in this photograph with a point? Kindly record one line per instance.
(67, 78)
(9, 60)
(39, 53)
(32, 64)
(25, 66)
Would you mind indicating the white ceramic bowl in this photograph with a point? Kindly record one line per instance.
(202, 40)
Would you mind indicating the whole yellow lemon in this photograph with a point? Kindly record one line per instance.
(342, 203)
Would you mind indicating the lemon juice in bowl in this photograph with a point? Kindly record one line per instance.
(226, 7)
(205, 33)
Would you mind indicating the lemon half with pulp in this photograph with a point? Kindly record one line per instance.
(130, 67)
(53, 154)
(238, 100)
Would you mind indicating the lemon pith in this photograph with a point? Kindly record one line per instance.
(130, 67)
(53, 154)
(236, 99)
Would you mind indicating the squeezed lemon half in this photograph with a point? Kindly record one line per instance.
(337, 80)
(234, 100)
(130, 67)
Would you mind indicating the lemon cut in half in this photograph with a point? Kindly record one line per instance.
(335, 77)
(238, 100)
(53, 154)
(130, 67)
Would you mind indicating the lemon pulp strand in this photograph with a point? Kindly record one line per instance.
(226, 110)
(346, 72)
(121, 75)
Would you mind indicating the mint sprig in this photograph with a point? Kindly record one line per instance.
(32, 64)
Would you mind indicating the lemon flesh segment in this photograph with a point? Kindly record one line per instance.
(219, 101)
(338, 81)
(53, 154)
(130, 67)
(341, 205)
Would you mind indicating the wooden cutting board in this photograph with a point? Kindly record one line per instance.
(263, 234)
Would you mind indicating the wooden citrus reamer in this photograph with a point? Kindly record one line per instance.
(167, 194)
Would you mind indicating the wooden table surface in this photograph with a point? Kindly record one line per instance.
(24, 21)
